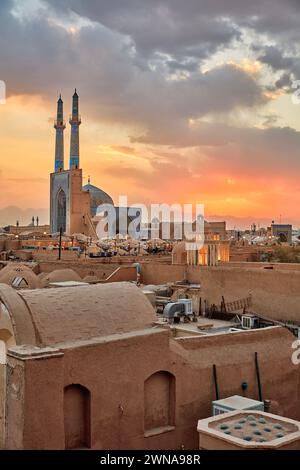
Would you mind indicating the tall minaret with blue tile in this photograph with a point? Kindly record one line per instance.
(59, 126)
(70, 203)
(75, 122)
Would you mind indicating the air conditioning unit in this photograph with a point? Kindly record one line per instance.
(235, 403)
(178, 309)
(249, 322)
(188, 306)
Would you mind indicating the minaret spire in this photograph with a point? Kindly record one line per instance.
(75, 122)
(59, 126)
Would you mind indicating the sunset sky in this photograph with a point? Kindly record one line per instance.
(181, 102)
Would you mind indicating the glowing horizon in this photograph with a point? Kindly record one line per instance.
(160, 123)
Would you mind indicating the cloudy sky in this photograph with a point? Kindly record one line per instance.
(181, 102)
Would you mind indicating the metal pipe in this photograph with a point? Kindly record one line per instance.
(59, 250)
(216, 381)
(258, 377)
(267, 406)
(200, 307)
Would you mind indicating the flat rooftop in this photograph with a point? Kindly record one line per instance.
(201, 327)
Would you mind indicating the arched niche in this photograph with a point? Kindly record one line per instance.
(77, 417)
(61, 209)
(159, 401)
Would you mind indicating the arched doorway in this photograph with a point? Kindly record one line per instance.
(77, 417)
(61, 210)
(283, 237)
(159, 401)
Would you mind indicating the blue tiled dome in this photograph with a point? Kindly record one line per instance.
(97, 196)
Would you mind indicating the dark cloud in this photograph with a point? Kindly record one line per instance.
(281, 62)
(274, 57)
(285, 81)
(190, 31)
(174, 27)
(126, 58)
(164, 24)
(41, 57)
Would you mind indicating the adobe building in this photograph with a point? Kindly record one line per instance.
(33, 229)
(215, 230)
(214, 250)
(88, 367)
(282, 231)
(175, 230)
(212, 253)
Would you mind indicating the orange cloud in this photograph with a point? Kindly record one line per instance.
(217, 176)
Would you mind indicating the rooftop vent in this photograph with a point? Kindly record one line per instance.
(236, 403)
(249, 322)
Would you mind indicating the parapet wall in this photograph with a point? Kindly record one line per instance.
(83, 268)
(267, 266)
(275, 292)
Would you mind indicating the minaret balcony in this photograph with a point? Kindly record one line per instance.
(59, 124)
(75, 120)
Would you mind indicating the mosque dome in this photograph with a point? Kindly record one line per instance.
(97, 196)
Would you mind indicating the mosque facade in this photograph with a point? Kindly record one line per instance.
(72, 204)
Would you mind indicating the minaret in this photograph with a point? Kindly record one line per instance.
(75, 122)
(59, 126)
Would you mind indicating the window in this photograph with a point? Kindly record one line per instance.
(19, 282)
(159, 403)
